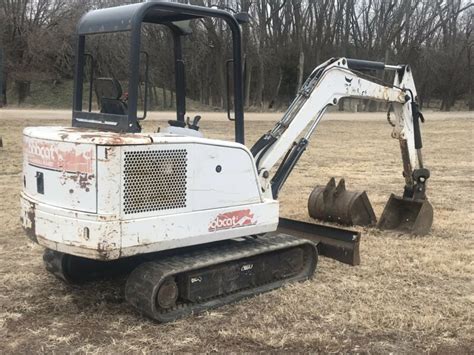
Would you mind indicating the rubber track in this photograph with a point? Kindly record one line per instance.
(144, 282)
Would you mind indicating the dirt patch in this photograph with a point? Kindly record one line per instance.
(409, 295)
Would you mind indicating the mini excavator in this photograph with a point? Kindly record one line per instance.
(195, 220)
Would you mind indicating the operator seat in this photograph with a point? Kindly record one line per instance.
(109, 94)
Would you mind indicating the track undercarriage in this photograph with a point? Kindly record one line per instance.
(170, 288)
(167, 286)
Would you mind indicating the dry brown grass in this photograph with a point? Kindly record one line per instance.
(409, 295)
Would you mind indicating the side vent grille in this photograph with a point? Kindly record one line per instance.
(154, 180)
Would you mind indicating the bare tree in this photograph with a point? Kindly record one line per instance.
(283, 42)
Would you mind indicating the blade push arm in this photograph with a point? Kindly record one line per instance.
(326, 85)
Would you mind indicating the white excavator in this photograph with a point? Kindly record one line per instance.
(195, 220)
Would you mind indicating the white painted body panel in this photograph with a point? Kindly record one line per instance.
(211, 192)
(69, 173)
(63, 230)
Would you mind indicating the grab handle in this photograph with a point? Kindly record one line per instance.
(227, 66)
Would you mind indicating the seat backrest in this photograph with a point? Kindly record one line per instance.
(109, 88)
(109, 93)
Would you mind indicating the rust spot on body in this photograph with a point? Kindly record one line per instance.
(84, 180)
(30, 226)
(103, 250)
(113, 138)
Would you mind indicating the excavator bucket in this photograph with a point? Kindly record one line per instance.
(335, 204)
(407, 215)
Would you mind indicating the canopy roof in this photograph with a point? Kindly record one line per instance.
(124, 18)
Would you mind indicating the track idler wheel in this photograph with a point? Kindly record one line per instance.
(167, 294)
(407, 215)
(333, 203)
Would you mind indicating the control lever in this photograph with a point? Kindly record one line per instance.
(195, 124)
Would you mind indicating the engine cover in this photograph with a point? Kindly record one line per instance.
(107, 195)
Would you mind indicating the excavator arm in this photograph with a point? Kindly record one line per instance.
(328, 83)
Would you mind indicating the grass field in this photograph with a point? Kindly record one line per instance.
(409, 295)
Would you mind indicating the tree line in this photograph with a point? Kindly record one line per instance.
(283, 42)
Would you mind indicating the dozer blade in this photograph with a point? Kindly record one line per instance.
(407, 215)
(335, 204)
(336, 243)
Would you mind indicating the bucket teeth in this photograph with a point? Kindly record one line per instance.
(407, 215)
(333, 203)
(341, 187)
